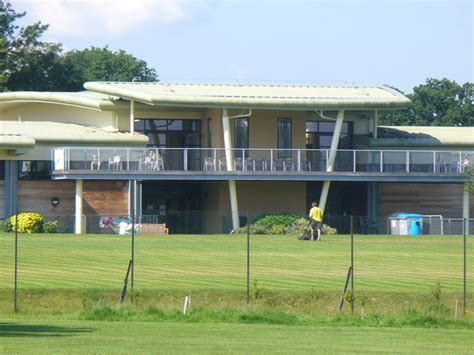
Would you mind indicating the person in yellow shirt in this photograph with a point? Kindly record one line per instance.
(315, 219)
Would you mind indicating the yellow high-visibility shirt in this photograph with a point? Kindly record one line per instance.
(316, 213)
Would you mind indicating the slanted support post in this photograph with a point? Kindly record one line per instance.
(132, 117)
(332, 158)
(229, 157)
(78, 219)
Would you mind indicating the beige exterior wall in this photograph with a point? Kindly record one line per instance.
(256, 197)
(59, 113)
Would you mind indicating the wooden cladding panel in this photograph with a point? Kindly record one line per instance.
(36, 196)
(434, 199)
(105, 198)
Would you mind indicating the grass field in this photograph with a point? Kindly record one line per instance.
(88, 337)
(388, 269)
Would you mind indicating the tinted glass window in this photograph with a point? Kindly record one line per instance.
(34, 170)
(241, 132)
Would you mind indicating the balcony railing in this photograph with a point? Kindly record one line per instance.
(289, 161)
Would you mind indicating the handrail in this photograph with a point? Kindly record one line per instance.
(264, 159)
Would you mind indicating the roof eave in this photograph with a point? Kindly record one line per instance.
(59, 99)
(250, 102)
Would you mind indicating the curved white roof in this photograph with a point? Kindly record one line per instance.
(84, 99)
(254, 96)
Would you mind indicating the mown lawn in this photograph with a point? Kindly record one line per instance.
(93, 337)
(399, 266)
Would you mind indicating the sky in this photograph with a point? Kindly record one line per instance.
(397, 43)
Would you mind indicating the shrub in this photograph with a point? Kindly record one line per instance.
(278, 229)
(50, 227)
(5, 225)
(277, 219)
(28, 222)
(326, 230)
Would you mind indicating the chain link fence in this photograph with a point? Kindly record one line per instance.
(265, 264)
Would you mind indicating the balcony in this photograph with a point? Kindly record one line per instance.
(265, 164)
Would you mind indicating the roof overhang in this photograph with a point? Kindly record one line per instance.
(16, 136)
(289, 97)
(87, 100)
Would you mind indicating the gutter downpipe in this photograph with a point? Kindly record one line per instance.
(332, 157)
(229, 157)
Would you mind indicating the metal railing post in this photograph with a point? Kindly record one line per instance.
(354, 161)
(185, 159)
(215, 159)
(271, 159)
(407, 162)
(298, 156)
(381, 161)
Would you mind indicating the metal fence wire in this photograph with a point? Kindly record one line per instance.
(265, 263)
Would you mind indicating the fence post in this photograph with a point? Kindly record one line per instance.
(132, 210)
(352, 264)
(248, 259)
(465, 267)
(15, 293)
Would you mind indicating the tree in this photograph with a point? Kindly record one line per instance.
(101, 64)
(436, 103)
(26, 63)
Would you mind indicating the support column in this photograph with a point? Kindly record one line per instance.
(11, 187)
(229, 157)
(132, 117)
(78, 219)
(332, 158)
(465, 208)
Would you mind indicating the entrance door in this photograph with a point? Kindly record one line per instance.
(176, 204)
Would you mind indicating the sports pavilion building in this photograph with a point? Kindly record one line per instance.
(226, 149)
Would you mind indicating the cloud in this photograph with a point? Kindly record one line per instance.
(82, 18)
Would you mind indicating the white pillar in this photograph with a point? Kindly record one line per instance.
(132, 117)
(465, 208)
(229, 153)
(229, 157)
(78, 220)
(332, 158)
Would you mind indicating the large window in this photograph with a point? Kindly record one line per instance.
(209, 132)
(319, 134)
(2, 170)
(170, 133)
(284, 137)
(34, 170)
(241, 133)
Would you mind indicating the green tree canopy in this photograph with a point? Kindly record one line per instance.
(27, 63)
(436, 103)
(101, 64)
